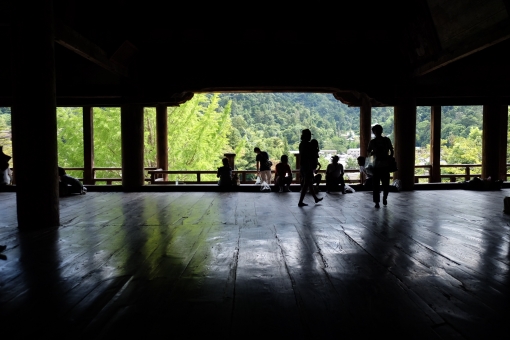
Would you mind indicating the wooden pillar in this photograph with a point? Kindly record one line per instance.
(132, 127)
(503, 142)
(365, 125)
(492, 137)
(435, 143)
(298, 166)
(34, 121)
(88, 145)
(231, 159)
(162, 138)
(405, 141)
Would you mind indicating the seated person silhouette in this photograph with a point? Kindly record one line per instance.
(283, 174)
(335, 176)
(224, 174)
(69, 185)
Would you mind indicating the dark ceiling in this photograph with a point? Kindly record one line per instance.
(441, 53)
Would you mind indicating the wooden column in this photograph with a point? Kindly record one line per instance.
(298, 166)
(88, 145)
(132, 146)
(162, 138)
(405, 141)
(365, 125)
(503, 142)
(34, 122)
(492, 139)
(435, 143)
(231, 159)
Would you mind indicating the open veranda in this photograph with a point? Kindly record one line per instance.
(432, 264)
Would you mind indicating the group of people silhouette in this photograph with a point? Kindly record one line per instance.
(377, 173)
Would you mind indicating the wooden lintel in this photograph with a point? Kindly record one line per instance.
(481, 42)
(77, 43)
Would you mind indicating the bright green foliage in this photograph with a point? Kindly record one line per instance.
(465, 150)
(107, 140)
(5, 132)
(273, 122)
(206, 127)
(351, 163)
(70, 138)
(150, 142)
(197, 134)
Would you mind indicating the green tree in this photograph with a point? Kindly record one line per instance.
(351, 163)
(198, 133)
(70, 138)
(5, 132)
(107, 140)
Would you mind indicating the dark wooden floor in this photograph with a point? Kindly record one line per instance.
(433, 264)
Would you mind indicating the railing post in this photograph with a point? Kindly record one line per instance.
(435, 144)
(298, 166)
(198, 177)
(88, 144)
(468, 173)
(452, 179)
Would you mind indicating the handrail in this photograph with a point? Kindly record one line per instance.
(108, 180)
(198, 173)
(453, 177)
(153, 172)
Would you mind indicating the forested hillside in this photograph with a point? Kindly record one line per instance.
(207, 126)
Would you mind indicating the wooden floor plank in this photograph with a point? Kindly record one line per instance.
(431, 264)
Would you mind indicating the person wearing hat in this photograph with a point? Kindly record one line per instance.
(335, 175)
(307, 166)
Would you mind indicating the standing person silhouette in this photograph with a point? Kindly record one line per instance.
(307, 166)
(317, 177)
(381, 149)
(263, 168)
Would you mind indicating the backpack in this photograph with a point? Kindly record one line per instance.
(268, 162)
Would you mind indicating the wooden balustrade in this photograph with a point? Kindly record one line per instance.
(452, 177)
(107, 180)
(156, 176)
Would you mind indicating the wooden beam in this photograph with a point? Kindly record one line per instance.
(435, 143)
(72, 40)
(88, 145)
(404, 130)
(33, 113)
(365, 125)
(478, 43)
(162, 138)
(132, 127)
(491, 140)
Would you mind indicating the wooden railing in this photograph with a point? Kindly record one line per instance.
(466, 176)
(157, 176)
(108, 181)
